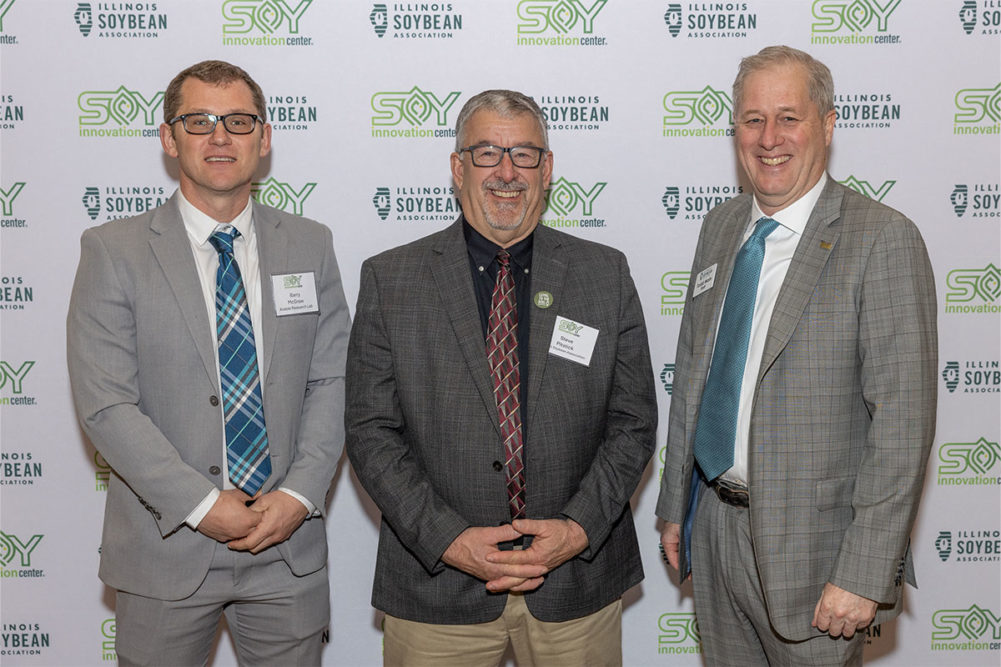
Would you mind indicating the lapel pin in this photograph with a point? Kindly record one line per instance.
(825, 245)
(543, 299)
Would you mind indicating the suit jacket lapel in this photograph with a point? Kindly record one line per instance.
(549, 270)
(450, 268)
(812, 253)
(272, 252)
(172, 249)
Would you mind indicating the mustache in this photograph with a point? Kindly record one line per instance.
(513, 186)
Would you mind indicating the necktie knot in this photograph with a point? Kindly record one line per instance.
(763, 227)
(503, 258)
(223, 241)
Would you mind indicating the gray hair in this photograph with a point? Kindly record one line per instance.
(820, 84)
(506, 103)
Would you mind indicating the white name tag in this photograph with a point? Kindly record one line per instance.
(573, 340)
(704, 280)
(295, 293)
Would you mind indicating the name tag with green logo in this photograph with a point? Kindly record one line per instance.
(573, 340)
(295, 293)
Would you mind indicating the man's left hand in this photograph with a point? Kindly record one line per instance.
(281, 516)
(554, 542)
(842, 613)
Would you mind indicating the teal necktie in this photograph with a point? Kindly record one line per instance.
(716, 429)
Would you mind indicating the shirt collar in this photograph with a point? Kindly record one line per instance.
(484, 251)
(794, 216)
(201, 226)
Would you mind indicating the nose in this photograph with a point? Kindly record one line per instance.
(219, 134)
(770, 136)
(506, 167)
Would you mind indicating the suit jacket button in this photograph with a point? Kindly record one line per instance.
(498, 466)
(214, 470)
(214, 400)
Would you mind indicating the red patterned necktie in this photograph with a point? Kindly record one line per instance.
(502, 353)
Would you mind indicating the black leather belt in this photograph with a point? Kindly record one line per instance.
(731, 493)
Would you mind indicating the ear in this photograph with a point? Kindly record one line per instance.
(167, 140)
(547, 169)
(457, 169)
(265, 139)
(829, 121)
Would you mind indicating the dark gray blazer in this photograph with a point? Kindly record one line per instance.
(143, 373)
(423, 434)
(844, 410)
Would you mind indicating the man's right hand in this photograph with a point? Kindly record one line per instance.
(670, 540)
(468, 552)
(230, 518)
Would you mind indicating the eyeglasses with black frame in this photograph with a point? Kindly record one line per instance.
(205, 123)
(524, 157)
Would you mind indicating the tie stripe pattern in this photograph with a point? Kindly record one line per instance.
(716, 429)
(502, 353)
(243, 410)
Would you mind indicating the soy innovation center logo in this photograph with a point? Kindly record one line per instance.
(876, 192)
(119, 113)
(413, 114)
(678, 634)
(264, 23)
(281, 195)
(853, 22)
(674, 288)
(7, 197)
(559, 23)
(698, 113)
(16, 553)
(978, 111)
(571, 204)
(973, 291)
(974, 628)
(6, 37)
(976, 463)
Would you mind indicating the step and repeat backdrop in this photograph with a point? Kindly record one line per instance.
(363, 99)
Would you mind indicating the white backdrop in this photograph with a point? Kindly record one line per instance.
(363, 97)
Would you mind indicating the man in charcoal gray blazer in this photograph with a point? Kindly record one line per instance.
(182, 541)
(457, 578)
(804, 541)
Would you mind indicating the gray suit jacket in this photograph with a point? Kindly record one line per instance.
(423, 434)
(844, 409)
(143, 373)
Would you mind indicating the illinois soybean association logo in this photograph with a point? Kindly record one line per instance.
(973, 290)
(291, 112)
(969, 463)
(853, 22)
(572, 204)
(972, 629)
(969, 546)
(23, 639)
(985, 202)
(14, 293)
(678, 633)
(436, 20)
(16, 552)
(118, 20)
(698, 113)
(865, 110)
(12, 381)
(692, 202)
(572, 112)
(987, 20)
(10, 113)
(19, 469)
(416, 203)
(667, 378)
(281, 195)
(868, 189)
(128, 113)
(276, 22)
(7, 197)
(674, 287)
(422, 113)
(115, 202)
(978, 111)
(557, 20)
(702, 20)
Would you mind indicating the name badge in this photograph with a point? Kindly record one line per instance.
(295, 293)
(573, 340)
(704, 280)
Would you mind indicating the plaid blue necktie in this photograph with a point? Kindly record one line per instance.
(243, 410)
(716, 429)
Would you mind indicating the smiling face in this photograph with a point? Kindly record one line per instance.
(503, 203)
(782, 141)
(216, 168)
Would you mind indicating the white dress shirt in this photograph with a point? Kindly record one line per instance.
(780, 246)
(200, 228)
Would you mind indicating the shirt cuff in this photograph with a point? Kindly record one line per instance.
(202, 509)
(310, 507)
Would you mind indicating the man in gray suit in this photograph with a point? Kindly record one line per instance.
(803, 447)
(206, 345)
(500, 412)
